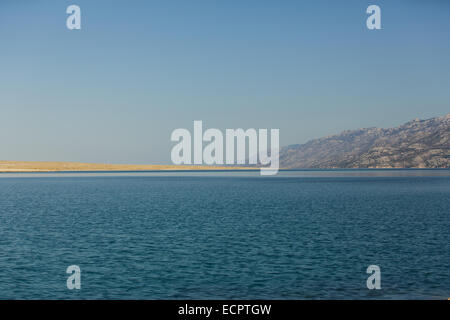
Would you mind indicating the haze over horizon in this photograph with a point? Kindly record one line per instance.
(114, 91)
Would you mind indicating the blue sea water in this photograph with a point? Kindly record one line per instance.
(225, 235)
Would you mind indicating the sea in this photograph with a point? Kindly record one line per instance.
(302, 234)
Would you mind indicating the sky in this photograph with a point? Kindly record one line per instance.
(114, 91)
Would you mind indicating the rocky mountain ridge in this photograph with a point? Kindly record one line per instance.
(415, 144)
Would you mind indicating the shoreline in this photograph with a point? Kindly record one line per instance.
(61, 166)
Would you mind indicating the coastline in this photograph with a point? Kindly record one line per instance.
(63, 166)
(60, 166)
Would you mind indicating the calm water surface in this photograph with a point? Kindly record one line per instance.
(299, 235)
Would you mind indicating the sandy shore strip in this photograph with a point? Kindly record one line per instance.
(54, 166)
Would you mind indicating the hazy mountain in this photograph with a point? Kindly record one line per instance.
(416, 144)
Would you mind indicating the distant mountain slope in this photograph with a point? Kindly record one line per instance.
(416, 144)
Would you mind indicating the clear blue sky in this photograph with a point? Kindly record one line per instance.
(115, 90)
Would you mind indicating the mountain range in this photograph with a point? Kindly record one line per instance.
(415, 144)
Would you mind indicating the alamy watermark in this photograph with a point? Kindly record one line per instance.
(374, 280)
(74, 280)
(373, 22)
(241, 147)
(73, 21)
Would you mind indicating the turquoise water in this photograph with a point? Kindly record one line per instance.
(299, 235)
